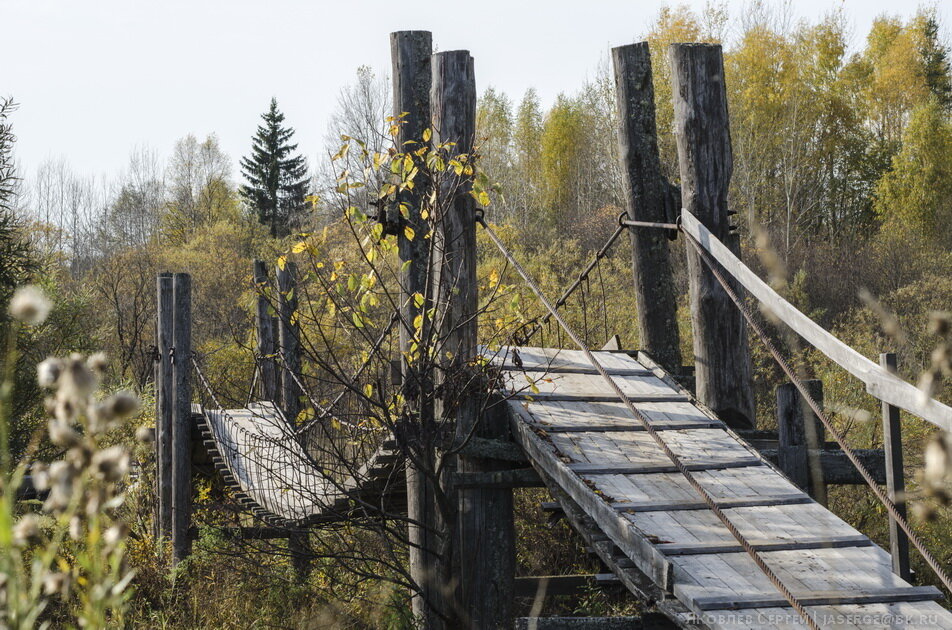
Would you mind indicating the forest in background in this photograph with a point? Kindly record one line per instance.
(842, 187)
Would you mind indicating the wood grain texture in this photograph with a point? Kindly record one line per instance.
(164, 402)
(265, 337)
(648, 197)
(702, 129)
(182, 415)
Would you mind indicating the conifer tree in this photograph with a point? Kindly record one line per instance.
(276, 176)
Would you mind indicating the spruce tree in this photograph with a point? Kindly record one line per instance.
(276, 177)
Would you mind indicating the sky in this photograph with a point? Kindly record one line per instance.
(97, 78)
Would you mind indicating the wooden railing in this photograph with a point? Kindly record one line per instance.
(882, 384)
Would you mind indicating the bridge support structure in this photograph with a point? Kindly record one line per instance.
(181, 451)
(722, 360)
(649, 198)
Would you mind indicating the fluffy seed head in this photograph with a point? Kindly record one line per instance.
(30, 305)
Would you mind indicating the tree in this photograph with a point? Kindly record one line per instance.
(277, 178)
(199, 190)
(916, 193)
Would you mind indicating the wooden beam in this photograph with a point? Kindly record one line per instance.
(819, 598)
(702, 128)
(487, 448)
(895, 482)
(880, 383)
(648, 198)
(575, 370)
(163, 404)
(820, 542)
(501, 479)
(264, 326)
(800, 434)
(838, 469)
(181, 415)
(289, 335)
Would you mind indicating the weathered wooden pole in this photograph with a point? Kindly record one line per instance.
(264, 325)
(182, 415)
(651, 198)
(702, 129)
(410, 54)
(484, 523)
(163, 405)
(801, 433)
(895, 482)
(290, 341)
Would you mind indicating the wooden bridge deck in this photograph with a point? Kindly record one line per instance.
(588, 448)
(260, 457)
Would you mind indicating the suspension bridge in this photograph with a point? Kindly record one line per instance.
(669, 488)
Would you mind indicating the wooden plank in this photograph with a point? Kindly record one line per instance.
(711, 464)
(879, 382)
(589, 623)
(819, 598)
(818, 542)
(564, 397)
(623, 428)
(578, 370)
(289, 337)
(724, 503)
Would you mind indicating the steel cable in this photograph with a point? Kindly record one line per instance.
(642, 419)
(867, 477)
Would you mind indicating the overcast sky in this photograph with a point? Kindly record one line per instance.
(95, 78)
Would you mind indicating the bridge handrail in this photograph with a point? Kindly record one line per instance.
(880, 383)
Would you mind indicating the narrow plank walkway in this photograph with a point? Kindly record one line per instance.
(259, 456)
(587, 444)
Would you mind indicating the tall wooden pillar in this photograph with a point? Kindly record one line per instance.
(163, 405)
(290, 341)
(702, 129)
(484, 522)
(264, 326)
(182, 415)
(649, 197)
(410, 54)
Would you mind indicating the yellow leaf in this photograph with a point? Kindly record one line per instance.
(368, 390)
(483, 197)
(409, 233)
(418, 300)
(299, 247)
(282, 262)
(427, 134)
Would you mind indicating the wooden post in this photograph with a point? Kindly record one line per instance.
(800, 432)
(182, 415)
(264, 324)
(163, 405)
(484, 522)
(702, 129)
(649, 198)
(895, 483)
(290, 340)
(410, 53)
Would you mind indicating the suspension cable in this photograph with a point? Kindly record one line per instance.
(642, 419)
(601, 253)
(801, 387)
(326, 412)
